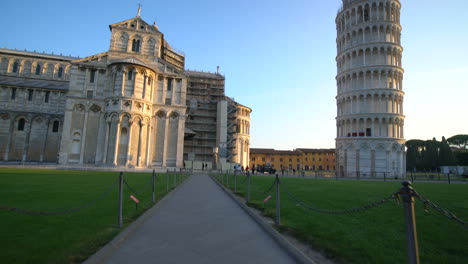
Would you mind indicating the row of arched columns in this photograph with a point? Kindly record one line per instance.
(369, 56)
(243, 126)
(124, 42)
(125, 80)
(387, 10)
(370, 103)
(142, 141)
(391, 127)
(130, 139)
(243, 112)
(376, 33)
(30, 137)
(370, 79)
(370, 158)
(26, 67)
(243, 150)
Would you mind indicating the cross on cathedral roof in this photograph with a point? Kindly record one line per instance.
(139, 9)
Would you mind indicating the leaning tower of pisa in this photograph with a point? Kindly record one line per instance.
(370, 120)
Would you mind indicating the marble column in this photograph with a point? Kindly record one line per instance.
(180, 142)
(10, 138)
(83, 137)
(26, 141)
(129, 144)
(45, 141)
(140, 142)
(148, 144)
(166, 139)
(145, 80)
(106, 142)
(122, 89)
(117, 141)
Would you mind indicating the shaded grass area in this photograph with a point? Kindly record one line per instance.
(71, 237)
(374, 236)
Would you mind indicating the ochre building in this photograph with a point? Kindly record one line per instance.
(298, 159)
(132, 106)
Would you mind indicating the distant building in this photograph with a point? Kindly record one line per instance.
(298, 159)
(370, 121)
(133, 106)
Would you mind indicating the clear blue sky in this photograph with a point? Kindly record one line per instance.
(278, 56)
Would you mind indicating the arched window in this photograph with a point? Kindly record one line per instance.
(21, 124)
(15, 67)
(130, 75)
(38, 69)
(13, 93)
(55, 127)
(60, 72)
(366, 14)
(136, 45)
(92, 76)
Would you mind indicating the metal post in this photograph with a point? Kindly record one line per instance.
(448, 178)
(278, 213)
(152, 186)
(175, 179)
(248, 187)
(384, 176)
(407, 195)
(119, 215)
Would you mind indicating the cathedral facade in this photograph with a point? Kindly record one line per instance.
(124, 107)
(370, 121)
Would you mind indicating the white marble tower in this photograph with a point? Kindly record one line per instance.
(370, 140)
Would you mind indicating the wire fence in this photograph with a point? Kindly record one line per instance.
(406, 195)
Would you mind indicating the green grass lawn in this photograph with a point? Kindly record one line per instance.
(72, 237)
(376, 235)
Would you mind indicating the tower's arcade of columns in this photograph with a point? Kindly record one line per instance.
(370, 119)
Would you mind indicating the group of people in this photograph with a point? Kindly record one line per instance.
(246, 169)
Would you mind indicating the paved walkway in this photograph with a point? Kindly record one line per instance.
(199, 223)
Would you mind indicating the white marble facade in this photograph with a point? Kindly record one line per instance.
(370, 120)
(126, 107)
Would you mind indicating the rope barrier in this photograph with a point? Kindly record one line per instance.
(253, 188)
(140, 191)
(347, 211)
(32, 212)
(441, 210)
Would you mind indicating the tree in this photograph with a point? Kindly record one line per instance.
(446, 157)
(414, 152)
(460, 141)
(462, 158)
(431, 154)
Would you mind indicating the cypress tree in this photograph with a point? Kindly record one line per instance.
(446, 156)
(430, 155)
